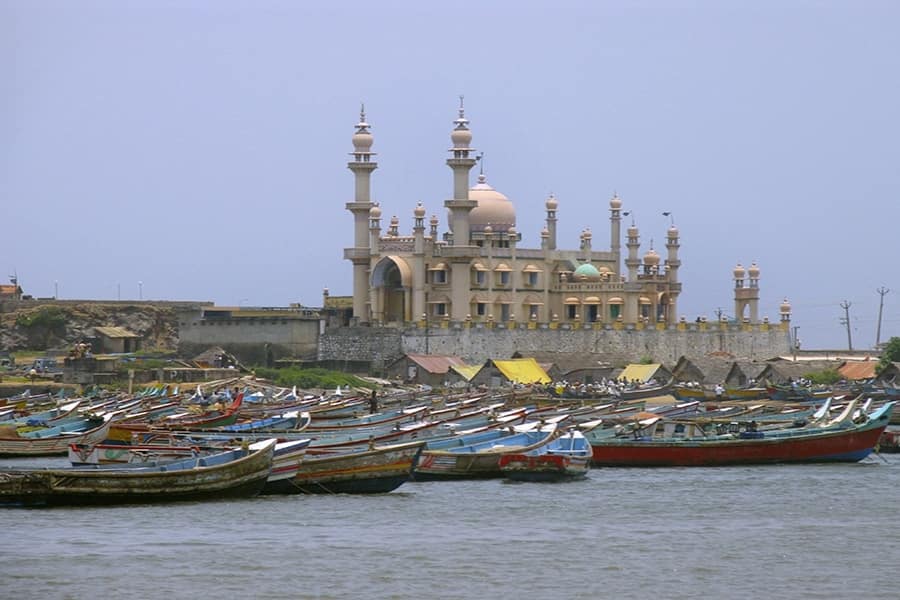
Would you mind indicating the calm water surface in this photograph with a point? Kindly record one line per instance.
(807, 531)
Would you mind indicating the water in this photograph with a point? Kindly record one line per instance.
(805, 531)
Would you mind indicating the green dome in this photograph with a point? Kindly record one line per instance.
(586, 271)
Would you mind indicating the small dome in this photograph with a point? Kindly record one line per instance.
(433, 221)
(395, 221)
(461, 138)
(633, 231)
(673, 232)
(493, 207)
(586, 272)
(615, 202)
(362, 140)
(545, 233)
(785, 307)
(512, 232)
(488, 230)
(375, 212)
(753, 271)
(587, 235)
(739, 271)
(651, 258)
(552, 203)
(419, 211)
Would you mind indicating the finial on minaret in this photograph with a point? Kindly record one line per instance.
(461, 121)
(480, 159)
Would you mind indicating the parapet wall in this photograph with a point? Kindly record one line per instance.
(478, 342)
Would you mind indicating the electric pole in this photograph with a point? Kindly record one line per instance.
(846, 321)
(882, 291)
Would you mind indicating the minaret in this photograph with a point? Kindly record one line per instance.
(418, 262)
(460, 206)
(551, 205)
(586, 238)
(362, 166)
(753, 292)
(461, 162)
(672, 264)
(739, 274)
(633, 261)
(615, 231)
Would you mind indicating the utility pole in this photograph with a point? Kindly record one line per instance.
(846, 321)
(882, 290)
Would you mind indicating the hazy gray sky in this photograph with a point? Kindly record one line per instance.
(200, 148)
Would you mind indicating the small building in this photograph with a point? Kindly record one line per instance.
(496, 372)
(785, 371)
(574, 367)
(429, 369)
(706, 370)
(858, 370)
(644, 373)
(116, 340)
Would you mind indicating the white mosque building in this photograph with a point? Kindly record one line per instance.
(478, 272)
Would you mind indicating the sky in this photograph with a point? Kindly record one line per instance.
(197, 150)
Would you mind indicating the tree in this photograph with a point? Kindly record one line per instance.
(890, 354)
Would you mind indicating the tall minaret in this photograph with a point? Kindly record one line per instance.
(461, 162)
(753, 293)
(362, 166)
(418, 262)
(552, 204)
(672, 264)
(459, 207)
(615, 231)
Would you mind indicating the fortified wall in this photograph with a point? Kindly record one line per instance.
(477, 342)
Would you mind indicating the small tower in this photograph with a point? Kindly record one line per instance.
(634, 244)
(551, 205)
(746, 293)
(615, 231)
(362, 166)
(672, 264)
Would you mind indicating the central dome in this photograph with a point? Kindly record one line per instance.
(586, 272)
(493, 208)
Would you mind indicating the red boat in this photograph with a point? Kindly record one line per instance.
(846, 442)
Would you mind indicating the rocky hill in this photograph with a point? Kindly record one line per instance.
(37, 325)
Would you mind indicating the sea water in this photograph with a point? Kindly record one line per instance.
(781, 531)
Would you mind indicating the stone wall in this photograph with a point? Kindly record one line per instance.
(476, 344)
(376, 346)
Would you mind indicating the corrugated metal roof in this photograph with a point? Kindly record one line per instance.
(435, 363)
(522, 370)
(642, 373)
(115, 332)
(864, 369)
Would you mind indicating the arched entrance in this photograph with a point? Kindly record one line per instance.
(391, 283)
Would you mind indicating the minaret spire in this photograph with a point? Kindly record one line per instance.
(362, 166)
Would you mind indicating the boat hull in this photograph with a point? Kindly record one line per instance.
(545, 468)
(837, 446)
(376, 471)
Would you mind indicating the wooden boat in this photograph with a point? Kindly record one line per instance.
(837, 440)
(373, 470)
(230, 474)
(563, 458)
(53, 441)
(481, 459)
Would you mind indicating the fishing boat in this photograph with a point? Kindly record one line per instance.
(564, 458)
(481, 459)
(850, 437)
(373, 470)
(53, 441)
(230, 474)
